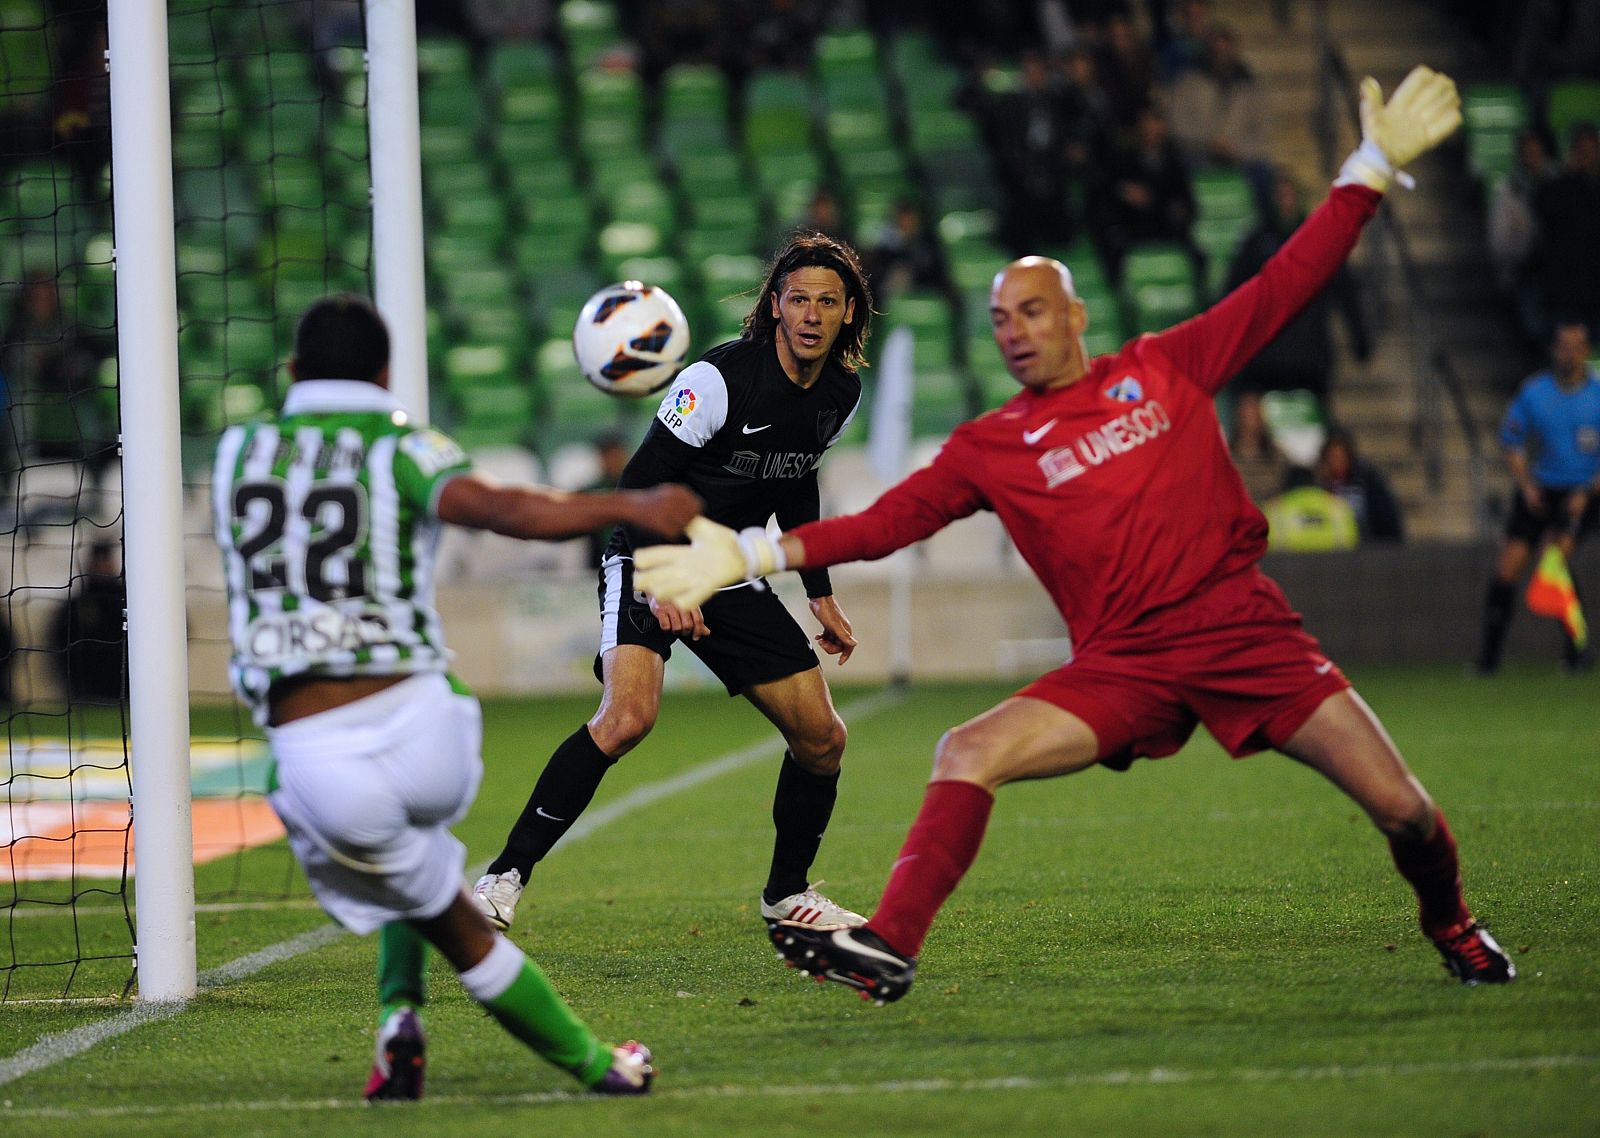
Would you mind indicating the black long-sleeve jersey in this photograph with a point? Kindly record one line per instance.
(747, 439)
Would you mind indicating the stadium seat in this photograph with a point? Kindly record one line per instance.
(1158, 287)
(1572, 102)
(1493, 114)
(778, 114)
(590, 29)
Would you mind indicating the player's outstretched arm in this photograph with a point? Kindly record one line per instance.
(1423, 111)
(540, 513)
(716, 556)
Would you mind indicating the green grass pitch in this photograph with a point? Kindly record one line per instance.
(1195, 947)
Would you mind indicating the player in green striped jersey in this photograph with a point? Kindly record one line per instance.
(328, 516)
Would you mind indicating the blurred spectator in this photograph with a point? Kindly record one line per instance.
(1567, 209)
(612, 450)
(904, 255)
(50, 370)
(1147, 195)
(823, 214)
(1344, 474)
(1301, 356)
(677, 31)
(1089, 124)
(1126, 68)
(1555, 40)
(82, 120)
(1514, 229)
(1183, 47)
(1261, 463)
(88, 631)
(1217, 115)
(1030, 127)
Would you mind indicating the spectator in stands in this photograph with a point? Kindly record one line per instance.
(823, 214)
(1568, 212)
(1183, 48)
(1555, 40)
(1261, 462)
(88, 632)
(1089, 124)
(82, 104)
(611, 448)
(1029, 128)
(1514, 229)
(904, 256)
(1301, 357)
(50, 368)
(1126, 68)
(1148, 196)
(1551, 438)
(1362, 486)
(1217, 114)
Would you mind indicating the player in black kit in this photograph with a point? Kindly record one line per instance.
(745, 427)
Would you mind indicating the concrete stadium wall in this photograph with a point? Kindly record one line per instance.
(1406, 605)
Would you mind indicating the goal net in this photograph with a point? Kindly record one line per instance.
(270, 175)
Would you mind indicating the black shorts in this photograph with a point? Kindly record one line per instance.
(753, 638)
(1524, 525)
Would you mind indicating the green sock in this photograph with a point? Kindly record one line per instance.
(532, 1011)
(402, 968)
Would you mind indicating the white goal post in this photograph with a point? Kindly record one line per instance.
(147, 366)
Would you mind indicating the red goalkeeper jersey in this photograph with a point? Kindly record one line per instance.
(1118, 490)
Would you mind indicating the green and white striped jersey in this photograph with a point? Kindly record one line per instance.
(327, 520)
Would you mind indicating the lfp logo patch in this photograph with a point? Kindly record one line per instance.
(1126, 390)
(685, 402)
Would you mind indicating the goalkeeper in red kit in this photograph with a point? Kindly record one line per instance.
(1115, 484)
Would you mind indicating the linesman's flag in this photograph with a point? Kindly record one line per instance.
(1551, 593)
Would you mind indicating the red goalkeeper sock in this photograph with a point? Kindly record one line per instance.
(1434, 871)
(941, 847)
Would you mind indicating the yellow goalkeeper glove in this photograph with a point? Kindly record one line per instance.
(1423, 111)
(716, 556)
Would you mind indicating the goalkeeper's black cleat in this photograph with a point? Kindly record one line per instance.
(1473, 957)
(855, 957)
(402, 1054)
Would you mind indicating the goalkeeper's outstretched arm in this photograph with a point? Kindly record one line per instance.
(716, 556)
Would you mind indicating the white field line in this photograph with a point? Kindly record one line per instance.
(1153, 1077)
(62, 1045)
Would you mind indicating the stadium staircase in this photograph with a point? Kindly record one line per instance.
(1442, 224)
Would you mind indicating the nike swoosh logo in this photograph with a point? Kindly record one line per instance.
(749, 430)
(1031, 437)
(540, 810)
(903, 861)
(1324, 668)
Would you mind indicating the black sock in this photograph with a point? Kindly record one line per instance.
(1498, 606)
(801, 807)
(564, 790)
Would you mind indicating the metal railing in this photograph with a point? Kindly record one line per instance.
(1439, 400)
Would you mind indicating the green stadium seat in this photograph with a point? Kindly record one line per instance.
(443, 57)
(929, 318)
(1493, 114)
(925, 75)
(1158, 287)
(778, 114)
(693, 90)
(1571, 102)
(590, 28)
(452, 101)
(664, 271)
(522, 66)
(710, 174)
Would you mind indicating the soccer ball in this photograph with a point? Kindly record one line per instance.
(630, 339)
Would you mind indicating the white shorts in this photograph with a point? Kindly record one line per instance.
(367, 792)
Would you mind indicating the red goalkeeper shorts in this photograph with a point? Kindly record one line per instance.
(1235, 658)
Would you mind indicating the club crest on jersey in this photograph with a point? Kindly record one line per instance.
(685, 401)
(1126, 390)
(827, 421)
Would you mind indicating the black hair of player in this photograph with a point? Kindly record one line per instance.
(809, 249)
(341, 337)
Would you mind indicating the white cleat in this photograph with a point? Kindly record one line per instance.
(812, 908)
(497, 895)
